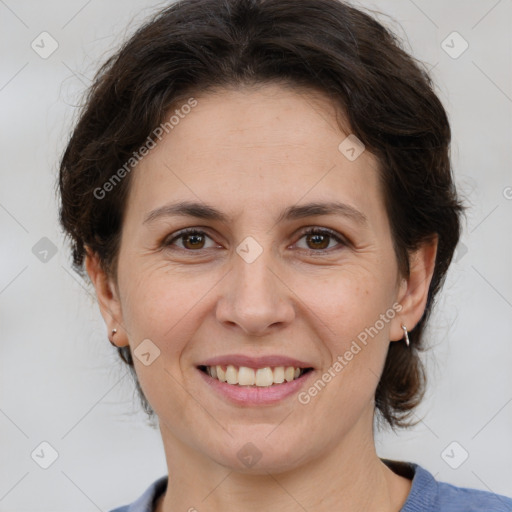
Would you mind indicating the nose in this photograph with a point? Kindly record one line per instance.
(255, 297)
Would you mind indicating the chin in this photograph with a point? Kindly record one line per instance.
(256, 452)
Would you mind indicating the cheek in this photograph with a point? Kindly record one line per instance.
(355, 312)
(346, 301)
(157, 303)
(161, 307)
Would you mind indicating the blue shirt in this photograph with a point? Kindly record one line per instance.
(426, 494)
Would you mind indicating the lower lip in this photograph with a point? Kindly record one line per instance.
(256, 395)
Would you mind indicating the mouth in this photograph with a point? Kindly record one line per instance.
(251, 381)
(245, 376)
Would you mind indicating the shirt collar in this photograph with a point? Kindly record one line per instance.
(423, 496)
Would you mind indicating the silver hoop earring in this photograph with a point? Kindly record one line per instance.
(406, 335)
(113, 334)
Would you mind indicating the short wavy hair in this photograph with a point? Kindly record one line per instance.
(194, 46)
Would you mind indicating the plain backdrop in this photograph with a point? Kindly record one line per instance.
(60, 380)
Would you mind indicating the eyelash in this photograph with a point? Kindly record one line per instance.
(310, 231)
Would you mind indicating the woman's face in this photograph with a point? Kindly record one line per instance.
(252, 289)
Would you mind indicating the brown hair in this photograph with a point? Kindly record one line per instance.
(196, 45)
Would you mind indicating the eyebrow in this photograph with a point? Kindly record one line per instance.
(208, 212)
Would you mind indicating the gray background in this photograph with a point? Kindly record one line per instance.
(61, 382)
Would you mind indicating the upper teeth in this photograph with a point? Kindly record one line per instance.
(245, 376)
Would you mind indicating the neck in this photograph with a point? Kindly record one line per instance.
(349, 477)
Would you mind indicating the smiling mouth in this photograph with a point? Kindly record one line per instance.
(254, 377)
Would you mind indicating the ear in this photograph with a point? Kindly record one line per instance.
(108, 298)
(413, 291)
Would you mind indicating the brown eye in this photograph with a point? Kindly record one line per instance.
(318, 240)
(196, 241)
(191, 239)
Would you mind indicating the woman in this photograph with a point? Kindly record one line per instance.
(261, 194)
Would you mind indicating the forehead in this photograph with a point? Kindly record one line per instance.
(255, 148)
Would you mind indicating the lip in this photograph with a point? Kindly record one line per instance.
(250, 396)
(255, 362)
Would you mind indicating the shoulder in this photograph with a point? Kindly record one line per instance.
(429, 495)
(145, 503)
(471, 500)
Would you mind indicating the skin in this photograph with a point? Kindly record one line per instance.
(251, 153)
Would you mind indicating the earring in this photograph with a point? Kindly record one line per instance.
(406, 336)
(113, 334)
